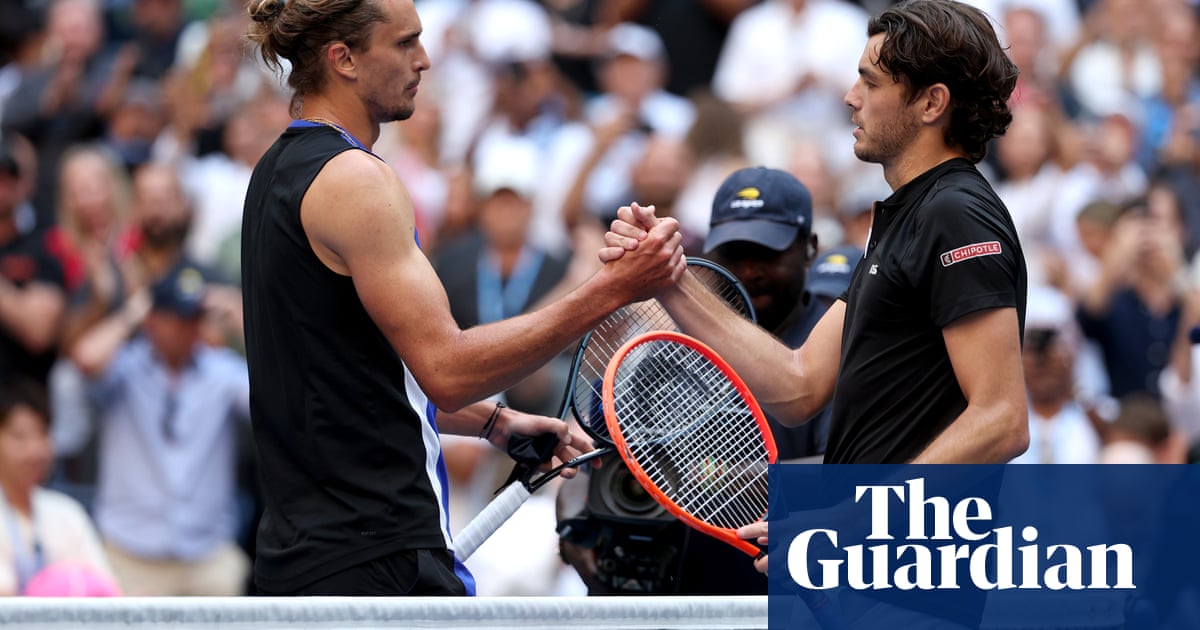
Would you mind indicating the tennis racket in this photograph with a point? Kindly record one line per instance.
(695, 438)
(582, 396)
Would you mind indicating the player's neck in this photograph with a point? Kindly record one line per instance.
(346, 113)
(924, 154)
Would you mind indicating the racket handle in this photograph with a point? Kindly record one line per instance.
(489, 520)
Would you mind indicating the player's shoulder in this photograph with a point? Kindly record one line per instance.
(355, 179)
(355, 167)
(960, 189)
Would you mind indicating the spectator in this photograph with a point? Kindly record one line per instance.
(216, 182)
(43, 531)
(1031, 179)
(1108, 172)
(632, 107)
(1133, 309)
(715, 150)
(1030, 49)
(831, 271)
(1060, 431)
(91, 230)
(161, 216)
(32, 297)
(534, 106)
(1171, 109)
(165, 502)
(761, 230)
(693, 33)
(156, 27)
(786, 64)
(1114, 58)
(1141, 434)
(66, 100)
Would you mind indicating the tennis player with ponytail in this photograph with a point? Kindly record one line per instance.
(351, 345)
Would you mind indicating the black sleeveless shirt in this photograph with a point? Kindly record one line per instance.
(349, 458)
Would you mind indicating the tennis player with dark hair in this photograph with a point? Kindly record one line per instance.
(921, 357)
(350, 342)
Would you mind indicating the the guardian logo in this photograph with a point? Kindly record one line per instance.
(914, 560)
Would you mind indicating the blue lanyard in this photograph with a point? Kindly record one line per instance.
(497, 299)
(27, 565)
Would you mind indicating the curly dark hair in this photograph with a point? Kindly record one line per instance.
(942, 41)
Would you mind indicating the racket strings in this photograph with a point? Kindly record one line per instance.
(623, 325)
(692, 433)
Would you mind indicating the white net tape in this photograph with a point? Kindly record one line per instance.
(476, 613)
(1006, 611)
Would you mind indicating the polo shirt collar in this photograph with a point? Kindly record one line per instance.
(910, 192)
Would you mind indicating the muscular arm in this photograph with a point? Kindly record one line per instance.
(791, 385)
(359, 221)
(985, 351)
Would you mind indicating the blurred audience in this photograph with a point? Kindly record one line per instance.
(45, 535)
(1060, 430)
(166, 501)
(32, 294)
(128, 129)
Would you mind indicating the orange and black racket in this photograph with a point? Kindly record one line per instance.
(582, 396)
(695, 438)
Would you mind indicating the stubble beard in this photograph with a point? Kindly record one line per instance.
(891, 138)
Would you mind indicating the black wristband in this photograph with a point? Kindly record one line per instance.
(486, 431)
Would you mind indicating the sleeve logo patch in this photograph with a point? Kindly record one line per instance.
(967, 252)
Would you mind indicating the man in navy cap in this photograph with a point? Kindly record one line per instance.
(830, 273)
(168, 404)
(761, 230)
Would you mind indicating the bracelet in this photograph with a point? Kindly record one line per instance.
(486, 431)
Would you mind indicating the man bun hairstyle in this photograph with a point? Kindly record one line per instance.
(300, 31)
(943, 41)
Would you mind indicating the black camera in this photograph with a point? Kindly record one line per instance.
(637, 544)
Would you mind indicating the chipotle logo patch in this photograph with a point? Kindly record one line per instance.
(967, 252)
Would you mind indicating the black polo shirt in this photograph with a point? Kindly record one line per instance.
(942, 246)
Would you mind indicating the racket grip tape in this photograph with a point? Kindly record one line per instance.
(489, 520)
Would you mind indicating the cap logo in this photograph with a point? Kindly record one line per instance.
(190, 282)
(835, 263)
(967, 252)
(747, 198)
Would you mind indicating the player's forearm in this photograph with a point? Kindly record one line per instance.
(772, 370)
(982, 435)
(483, 360)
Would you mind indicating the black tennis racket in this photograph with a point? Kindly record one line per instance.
(583, 392)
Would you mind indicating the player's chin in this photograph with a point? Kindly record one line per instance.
(401, 112)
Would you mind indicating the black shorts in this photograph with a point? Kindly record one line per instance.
(408, 572)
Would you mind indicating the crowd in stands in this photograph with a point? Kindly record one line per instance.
(129, 128)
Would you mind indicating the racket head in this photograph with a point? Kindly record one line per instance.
(600, 345)
(691, 433)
